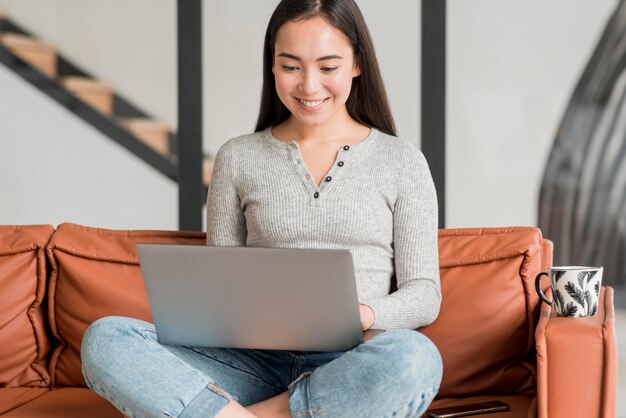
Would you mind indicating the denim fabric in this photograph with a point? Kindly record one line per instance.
(395, 374)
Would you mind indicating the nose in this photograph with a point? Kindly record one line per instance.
(310, 82)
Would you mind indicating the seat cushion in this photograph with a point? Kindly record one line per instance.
(485, 327)
(95, 273)
(11, 398)
(23, 362)
(521, 406)
(66, 403)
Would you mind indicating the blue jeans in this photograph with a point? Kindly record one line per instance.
(395, 374)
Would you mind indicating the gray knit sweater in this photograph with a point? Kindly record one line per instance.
(378, 201)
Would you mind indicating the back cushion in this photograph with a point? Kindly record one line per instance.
(485, 329)
(24, 344)
(95, 273)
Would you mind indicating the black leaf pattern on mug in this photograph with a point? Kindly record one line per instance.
(559, 300)
(592, 274)
(582, 275)
(597, 287)
(589, 300)
(594, 309)
(575, 293)
(570, 309)
(558, 275)
(585, 277)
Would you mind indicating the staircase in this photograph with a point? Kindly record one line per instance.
(94, 101)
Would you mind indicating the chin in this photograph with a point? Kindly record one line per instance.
(311, 122)
(316, 120)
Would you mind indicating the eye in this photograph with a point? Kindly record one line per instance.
(328, 69)
(289, 68)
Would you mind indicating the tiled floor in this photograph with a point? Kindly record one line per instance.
(620, 327)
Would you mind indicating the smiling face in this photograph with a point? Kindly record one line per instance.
(313, 69)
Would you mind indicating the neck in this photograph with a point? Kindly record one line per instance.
(340, 127)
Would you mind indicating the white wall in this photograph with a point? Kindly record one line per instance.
(512, 67)
(56, 168)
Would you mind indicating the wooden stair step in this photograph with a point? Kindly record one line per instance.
(154, 133)
(97, 93)
(41, 55)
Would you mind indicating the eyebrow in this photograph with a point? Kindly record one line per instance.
(324, 58)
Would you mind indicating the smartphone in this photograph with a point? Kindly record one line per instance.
(468, 410)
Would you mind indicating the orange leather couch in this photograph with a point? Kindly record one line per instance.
(496, 340)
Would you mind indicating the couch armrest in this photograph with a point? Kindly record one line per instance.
(577, 363)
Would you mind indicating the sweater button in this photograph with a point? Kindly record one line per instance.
(340, 163)
(316, 195)
(329, 178)
(346, 147)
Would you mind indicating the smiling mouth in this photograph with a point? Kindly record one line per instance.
(314, 103)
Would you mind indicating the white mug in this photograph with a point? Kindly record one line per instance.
(575, 289)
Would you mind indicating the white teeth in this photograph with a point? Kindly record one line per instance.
(311, 104)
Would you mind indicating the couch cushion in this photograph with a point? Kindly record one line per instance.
(67, 403)
(23, 362)
(485, 327)
(95, 273)
(11, 398)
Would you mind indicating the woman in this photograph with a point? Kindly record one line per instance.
(322, 170)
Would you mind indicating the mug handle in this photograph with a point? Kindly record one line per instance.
(538, 288)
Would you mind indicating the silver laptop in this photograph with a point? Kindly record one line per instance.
(246, 297)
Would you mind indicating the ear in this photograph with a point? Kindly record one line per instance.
(356, 70)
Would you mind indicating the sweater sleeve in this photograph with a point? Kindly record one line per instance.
(226, 224)
(416, 257)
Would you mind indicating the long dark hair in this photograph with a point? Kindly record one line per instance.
(367, 102)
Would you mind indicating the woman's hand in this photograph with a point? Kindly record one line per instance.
(367, 316)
